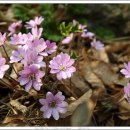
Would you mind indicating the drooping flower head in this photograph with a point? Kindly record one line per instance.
(97, 45)
(126, 70)
(34, 23)
(53, 105)
(127, 92)
(31, 76)
(2, 38)
(3, 67)
(61, 65)
(68, 39)
(14, 26)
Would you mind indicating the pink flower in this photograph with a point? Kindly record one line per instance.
(126, 70)
(18, 55)
(87, 34)
(68, 39)
(51, 47)
(82, 27)
(53, 105)
(34, 23)
(38, 46)
(14, 26)
(37, 32)
(3, 67)
(31, 77)
(32, 58)
(2, 38)
(97, 45)
(127, 92)
(62, 66)
(21, 39)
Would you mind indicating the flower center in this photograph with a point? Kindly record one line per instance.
(32, 76)
(52, 104)
(62, 67)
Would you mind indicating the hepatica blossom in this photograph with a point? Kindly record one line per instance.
(53, 105)
(51, 47)
(31, 76)
(38, 46)
(3, 66)
(14, 26)
(127, 92)
(87, 34)
(18, 55)
(33, 58)
(126, 70)
(97, 45)
(2, 38)
(61, 65)
(21, 39)
(34, 23)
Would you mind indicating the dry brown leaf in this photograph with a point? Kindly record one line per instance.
(83, 113)
(73, 105)
(124, 107)
(18, 106)
(14, 120)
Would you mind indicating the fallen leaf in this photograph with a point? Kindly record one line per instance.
(83, 113)
(18, 106)
(74, 105)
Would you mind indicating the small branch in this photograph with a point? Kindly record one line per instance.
(9, 59)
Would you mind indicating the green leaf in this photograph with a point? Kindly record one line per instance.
(67, 29)
(73, 55)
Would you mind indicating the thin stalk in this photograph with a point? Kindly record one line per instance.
(9, 59)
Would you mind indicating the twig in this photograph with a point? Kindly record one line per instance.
(9, 59)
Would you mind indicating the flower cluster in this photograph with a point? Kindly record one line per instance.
(32, 51)
(96, 44)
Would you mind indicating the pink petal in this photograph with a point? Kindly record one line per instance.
(37, 85)
(60, 96)
(4, 67)
(23, 81)
(55, 114)
(42, 101)
(53, 71)
(68, 39)
(71, 69)
(59, 76)
(64, 75)
(1, 75)
(44, 108)
(49, 96)
(28, 86)
(47, 114)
